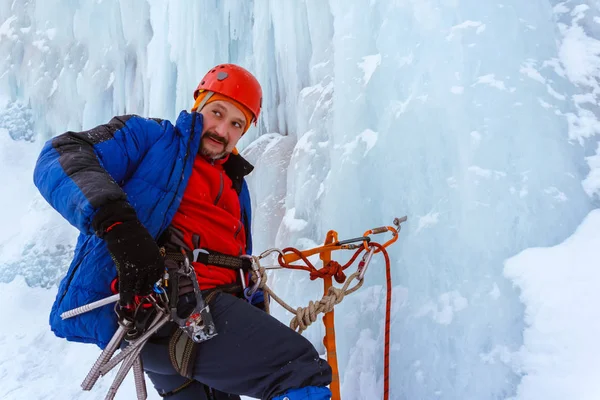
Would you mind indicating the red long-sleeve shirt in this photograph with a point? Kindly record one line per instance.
(210, 209)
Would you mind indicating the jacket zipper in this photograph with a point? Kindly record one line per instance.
(220, 189)
(238, 230)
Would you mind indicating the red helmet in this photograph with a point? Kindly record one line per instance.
(235, 82)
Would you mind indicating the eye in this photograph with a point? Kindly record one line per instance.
(217, 113)
(237, 124)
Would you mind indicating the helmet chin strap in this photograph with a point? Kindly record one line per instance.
(204, 101)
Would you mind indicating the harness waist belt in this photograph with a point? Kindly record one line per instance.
(213, 258)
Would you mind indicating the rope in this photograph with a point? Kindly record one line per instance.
(332, 268)
(388, 312)
(305, 316)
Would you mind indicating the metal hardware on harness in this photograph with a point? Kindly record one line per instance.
(199, 325)
(89, 307)
(113, 345)
(196, 252)
(243, 278)
(161, 319)
(130, 356)
(133, 358)
(256, 285)
(158, 288)
(138, 377)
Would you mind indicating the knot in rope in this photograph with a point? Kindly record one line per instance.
(332, 268)
(307, 315)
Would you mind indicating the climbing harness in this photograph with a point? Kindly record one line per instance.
(153, 312)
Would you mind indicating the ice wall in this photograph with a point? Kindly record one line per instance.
(474, 118)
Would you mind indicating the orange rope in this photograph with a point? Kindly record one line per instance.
(334, 269)
(388, 311)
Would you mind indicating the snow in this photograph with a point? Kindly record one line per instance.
(478, 120)
(558, 284)
(35, 363)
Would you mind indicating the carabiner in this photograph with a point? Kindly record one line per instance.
(269, 251)
(364, 263)
(252, 290)
(397, 222)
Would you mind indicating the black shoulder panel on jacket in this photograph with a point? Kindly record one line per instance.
(96, 135)
(237, 167)
(79, 162)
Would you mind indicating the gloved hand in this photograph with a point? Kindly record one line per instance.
(134, 251)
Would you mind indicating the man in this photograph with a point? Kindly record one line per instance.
(136, 186)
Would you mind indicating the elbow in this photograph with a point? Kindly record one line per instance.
(42, 165)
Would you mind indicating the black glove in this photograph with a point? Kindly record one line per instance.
(134, 251)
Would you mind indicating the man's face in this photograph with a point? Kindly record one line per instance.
(223, 127)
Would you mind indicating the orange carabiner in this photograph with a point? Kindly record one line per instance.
(383, 229)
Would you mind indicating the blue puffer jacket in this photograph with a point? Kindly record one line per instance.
(145, 161)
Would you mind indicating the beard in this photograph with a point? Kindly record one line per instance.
(213, 154)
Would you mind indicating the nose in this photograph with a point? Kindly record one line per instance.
(221, 129)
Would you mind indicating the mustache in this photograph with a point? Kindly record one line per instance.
(214, 136)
